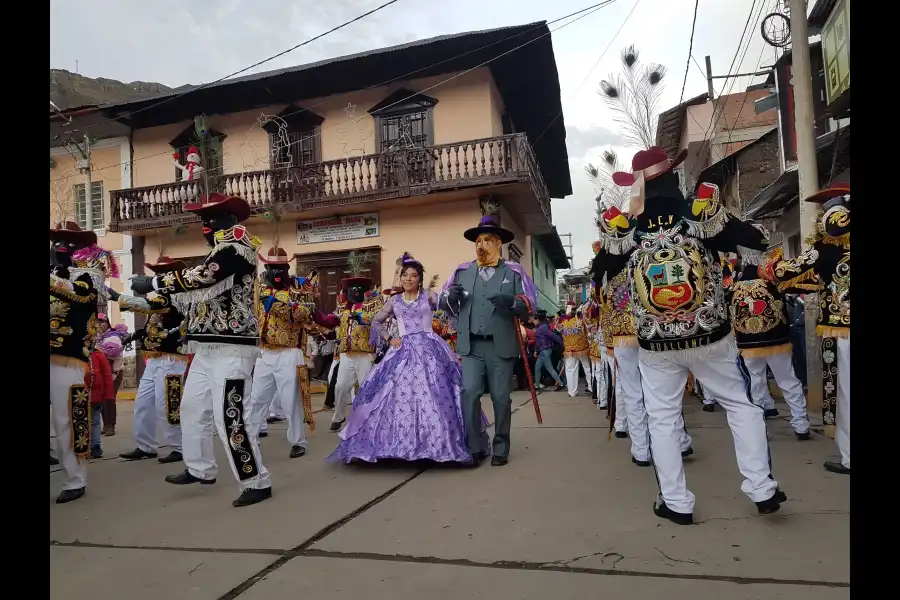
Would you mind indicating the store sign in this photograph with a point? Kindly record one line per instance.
(836, 51)
(784, 81)
(337, 229)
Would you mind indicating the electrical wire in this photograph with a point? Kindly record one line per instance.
(584, 12)
(687, 65)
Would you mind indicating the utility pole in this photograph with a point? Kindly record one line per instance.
(85, 168)
(808, 173)
(709, 78)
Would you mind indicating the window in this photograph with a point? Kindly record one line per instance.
(515, 255)
(294, 138)
(403, 120)
(96, 205)
(213, 163)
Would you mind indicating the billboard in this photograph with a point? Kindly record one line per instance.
(784, 80)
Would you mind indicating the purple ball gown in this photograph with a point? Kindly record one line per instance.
(408, 408)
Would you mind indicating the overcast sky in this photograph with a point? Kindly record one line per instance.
(177, 42)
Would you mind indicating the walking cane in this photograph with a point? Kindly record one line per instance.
(534, 400)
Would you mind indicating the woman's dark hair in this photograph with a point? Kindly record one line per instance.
(418, 268)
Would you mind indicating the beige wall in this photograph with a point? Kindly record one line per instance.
(468, 108)
(433, 233)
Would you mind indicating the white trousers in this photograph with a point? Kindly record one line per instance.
(62, 378)
(842, 418)
(783, 370)
(217, 391)
(608, 368)
(150, 405)
(354, 370)
(572, 363)
(663, 379)
(276, 385)
(598, 380)
(706, 398)
(628, 380)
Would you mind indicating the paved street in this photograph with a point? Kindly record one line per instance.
(569, 517)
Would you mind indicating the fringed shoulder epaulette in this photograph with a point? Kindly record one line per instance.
(710, 215)
(617, 245)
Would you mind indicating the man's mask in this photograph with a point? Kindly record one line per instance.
(356, 292)
(63, 251)
(487, 249)
(216, 222)
(278, 276)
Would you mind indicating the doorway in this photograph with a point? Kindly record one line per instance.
(332, 267)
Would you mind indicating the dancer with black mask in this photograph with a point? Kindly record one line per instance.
(216, 297)
(682, 324)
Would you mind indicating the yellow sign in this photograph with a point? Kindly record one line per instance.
(836, 51)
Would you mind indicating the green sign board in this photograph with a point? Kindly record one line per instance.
(836, 51)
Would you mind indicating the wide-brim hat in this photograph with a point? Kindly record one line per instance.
(164, 264)
(71, 232)
(823, 196)
(275, 256)
(489, 224)
(348, 281)
(649, 163)
(220, 203)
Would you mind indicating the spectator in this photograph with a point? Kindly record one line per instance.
(544, 340)
(101, 390)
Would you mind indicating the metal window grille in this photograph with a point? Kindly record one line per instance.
(96, 205)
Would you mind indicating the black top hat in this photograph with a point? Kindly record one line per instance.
(489, 224)
(71, 232)
(220, 203)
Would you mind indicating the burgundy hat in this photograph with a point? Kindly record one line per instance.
(71, 232)
(489, 224)
(348, 281)
(835, 191)
(216, 202)
(649, 163)
(276, 256)
(164, 264)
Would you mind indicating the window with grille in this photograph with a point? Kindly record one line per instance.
(302, 148)
(404, 131)
(213, 163)
(96, 205)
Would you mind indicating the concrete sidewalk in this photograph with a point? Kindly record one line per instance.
(569, 517)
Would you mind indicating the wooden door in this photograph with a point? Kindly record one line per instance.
(332, 268)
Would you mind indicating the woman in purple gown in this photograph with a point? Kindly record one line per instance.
(408, 408)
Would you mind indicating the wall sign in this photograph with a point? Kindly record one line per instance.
(336, 229)
(836, 48)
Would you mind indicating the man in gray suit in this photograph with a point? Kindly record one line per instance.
(486, 296)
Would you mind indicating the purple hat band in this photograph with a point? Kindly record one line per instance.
(489, 221)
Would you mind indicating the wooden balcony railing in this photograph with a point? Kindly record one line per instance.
(355, 180)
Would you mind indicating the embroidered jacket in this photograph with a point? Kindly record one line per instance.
(675, 278)
(282, 318)
(73, 318)
(353, 323)
(216, 297)
(574, 335)
(621, 323)
(759, 315)
(823, 268)
(594, 333)
(166, 327)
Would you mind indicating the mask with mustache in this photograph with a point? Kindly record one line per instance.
(487, 250)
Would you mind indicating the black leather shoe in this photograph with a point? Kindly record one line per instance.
(709, 408)
(337, 426)
(297, 451)
(69, 495)
(770, 412)
(137, 454)
(498, 461)
(688, 452)
(836, 467)
(250, 497)
(678, 518)
(96, 452)
(640, 463)
(263, 434)
(185, 478)
(621, 434)
(767, 507)
(478, 458)
(803, 436)
(172, 457)
(271, 420)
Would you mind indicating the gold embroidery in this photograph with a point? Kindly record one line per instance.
(80, 420)
(283, 325)
(754, 309)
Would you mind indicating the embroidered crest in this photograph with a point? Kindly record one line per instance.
(669, 286)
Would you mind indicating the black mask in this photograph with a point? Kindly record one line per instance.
(62, 254)
(356, 292)
(278, 276)
(216, 222)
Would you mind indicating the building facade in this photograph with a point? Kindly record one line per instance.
(350, 154)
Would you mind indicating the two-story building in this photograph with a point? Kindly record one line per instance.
(394, 150)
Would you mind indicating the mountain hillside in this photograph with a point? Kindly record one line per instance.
(69, 90)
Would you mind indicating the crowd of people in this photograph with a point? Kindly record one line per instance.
(227, 347)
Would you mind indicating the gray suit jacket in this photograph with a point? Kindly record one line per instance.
(504, 281)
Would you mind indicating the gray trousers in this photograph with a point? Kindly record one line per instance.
(482, 366)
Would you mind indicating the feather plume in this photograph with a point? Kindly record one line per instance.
(358, 262)
(434, 281)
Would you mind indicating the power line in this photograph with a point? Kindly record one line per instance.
(587, 11)
(687, 66)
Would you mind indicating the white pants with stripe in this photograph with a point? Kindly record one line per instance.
(842, 418)
(62, 378)
(572, 363)
(663, 379)
(783, 370)
(276, 389)
(150, 405)
(354, 369)
(598, 380)
(218, 388)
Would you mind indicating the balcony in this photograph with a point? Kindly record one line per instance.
(504, 160)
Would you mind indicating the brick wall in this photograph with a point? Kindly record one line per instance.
(758, 167)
